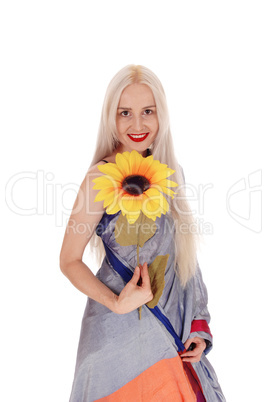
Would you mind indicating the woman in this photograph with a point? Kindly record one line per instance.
(120, 356)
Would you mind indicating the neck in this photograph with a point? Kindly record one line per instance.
(120, 149)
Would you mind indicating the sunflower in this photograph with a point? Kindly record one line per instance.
(134, 184)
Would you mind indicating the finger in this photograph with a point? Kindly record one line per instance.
(190, 354)
(139, 283)
(200, 347)
(197, 340)
(192, 359)
(200, 344)
(136, 276)
(188, 343)
(145, 276)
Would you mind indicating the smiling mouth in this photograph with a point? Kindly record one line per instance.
(138, 137)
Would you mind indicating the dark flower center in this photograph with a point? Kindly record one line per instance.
(135, 184)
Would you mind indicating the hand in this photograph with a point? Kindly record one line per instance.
(194, 355)
(136, 293)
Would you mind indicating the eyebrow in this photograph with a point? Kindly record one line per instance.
(129, 108)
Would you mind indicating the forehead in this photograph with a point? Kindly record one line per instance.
(136, 95)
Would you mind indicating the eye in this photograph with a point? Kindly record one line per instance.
(125, 113)
(148, 111)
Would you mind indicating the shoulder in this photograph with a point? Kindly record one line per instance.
(92, 173)
(87, 192)
(94, 168)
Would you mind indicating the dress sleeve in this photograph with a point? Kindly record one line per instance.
(201, 318)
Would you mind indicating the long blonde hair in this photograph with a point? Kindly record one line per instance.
(162, 150)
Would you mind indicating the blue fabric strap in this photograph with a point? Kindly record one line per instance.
(126, 275)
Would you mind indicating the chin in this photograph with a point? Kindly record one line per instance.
(137, 146)
(140, 149)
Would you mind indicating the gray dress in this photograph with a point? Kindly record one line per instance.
(114, 349)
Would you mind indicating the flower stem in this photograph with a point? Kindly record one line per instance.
(137, 251)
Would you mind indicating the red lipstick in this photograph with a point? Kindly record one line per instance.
(138, 137)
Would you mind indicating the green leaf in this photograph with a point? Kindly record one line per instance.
(138, 233)
(156, 272)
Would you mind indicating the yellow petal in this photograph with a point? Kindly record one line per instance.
(155, 167)
(111, 169)
(164, 204)
(113, 199)
(157, 176)
(105, 182)
(102, 194)
(123, 164)
(139, 160)
(163, 189)
(110, 200)
(126, 154)
(132, 218)
(135, 160)
(145, 165)
(167, 191)
(167, 183)
(112, 209)
(151, 207)
(151, 215)
(158, 199)
(152, 192)
(130, 204)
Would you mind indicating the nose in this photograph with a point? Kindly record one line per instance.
(137, 124)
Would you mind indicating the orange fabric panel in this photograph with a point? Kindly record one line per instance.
(164, 381)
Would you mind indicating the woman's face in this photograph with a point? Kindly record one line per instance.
(136, 120)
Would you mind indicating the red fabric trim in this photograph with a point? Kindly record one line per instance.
(200, 325)
(194, 381)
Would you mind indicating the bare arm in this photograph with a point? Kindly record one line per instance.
(85, 216)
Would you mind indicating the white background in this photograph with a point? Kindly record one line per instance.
(57, 58)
